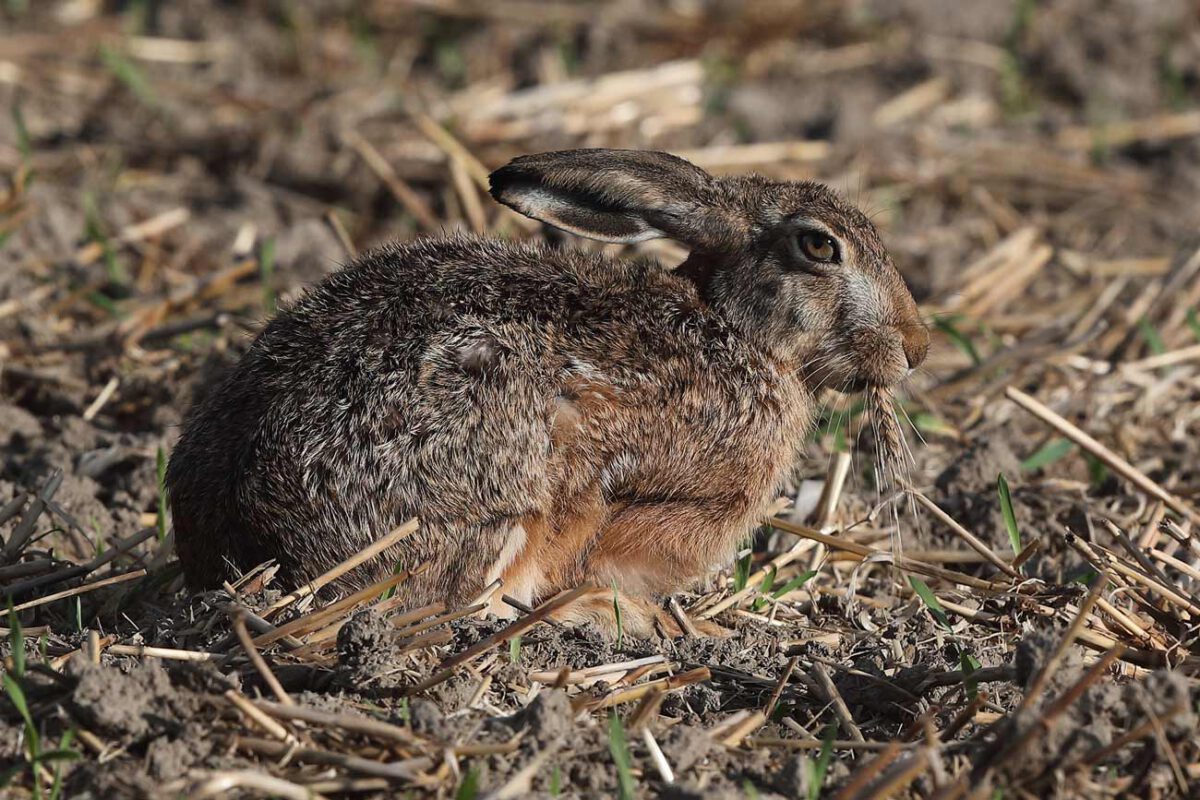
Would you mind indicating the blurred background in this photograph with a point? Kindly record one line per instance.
(174, 170)
(171, 172)
(954, 123)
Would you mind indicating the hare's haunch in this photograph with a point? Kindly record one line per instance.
(550, 416)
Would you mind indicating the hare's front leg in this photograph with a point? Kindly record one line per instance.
(662, 547)
(649, 549)
(644, 550)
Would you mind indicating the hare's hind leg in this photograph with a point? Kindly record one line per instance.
(479, 461)
(449, 562)
(632, 554)
(549, 557)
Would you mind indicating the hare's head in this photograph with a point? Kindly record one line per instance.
(791, 264)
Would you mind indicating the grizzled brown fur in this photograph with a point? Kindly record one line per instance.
(550, 416)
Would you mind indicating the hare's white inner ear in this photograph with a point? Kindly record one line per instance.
(578, 214)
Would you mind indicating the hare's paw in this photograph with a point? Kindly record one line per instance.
(710, 629)
(639, 617)
(670, 627)
(620, 615)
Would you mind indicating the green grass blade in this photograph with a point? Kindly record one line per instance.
(128, 74)
(105, 303)
(16, 637)
(768, 582)
(469, 788)
(1153, 340)
(820, 767)
(794, 584)
(927, 422)
(618, 745)
(1193, 322)
(927, 596)
(1097, 471)
(23, 141)
(405, 712)
(387, 594)
(840, 437)
(17, 695)
(969, 666)
(95, 231)
(1047, 454)
(835, 420)
(617, 614)
(32, 740)
(960, 340)
(1010, 517)
(741, 568)
(764, 590)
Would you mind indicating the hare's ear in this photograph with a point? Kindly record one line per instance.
(610, 195)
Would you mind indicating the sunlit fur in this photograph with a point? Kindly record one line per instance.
(631, 424)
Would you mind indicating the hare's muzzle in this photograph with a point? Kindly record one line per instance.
(915, 338)
(879, 356)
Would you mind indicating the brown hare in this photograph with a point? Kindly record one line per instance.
(552, 417)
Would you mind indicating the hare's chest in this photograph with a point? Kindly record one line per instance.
(742, 434)
(699, 436)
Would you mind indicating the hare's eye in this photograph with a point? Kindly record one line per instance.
(819, 247)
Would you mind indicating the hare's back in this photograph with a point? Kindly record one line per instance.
(401, 306)
(420, 358)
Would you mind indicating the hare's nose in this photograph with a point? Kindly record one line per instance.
(916, 343)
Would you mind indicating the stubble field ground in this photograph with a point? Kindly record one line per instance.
(172, 172)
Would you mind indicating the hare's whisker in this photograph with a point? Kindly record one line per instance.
(845, 420)
(912, 424)
(900, 433)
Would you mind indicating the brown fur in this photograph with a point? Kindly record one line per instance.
(552, 417)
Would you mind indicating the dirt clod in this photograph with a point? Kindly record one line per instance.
(127, 705)
(548, 719)
(367, 651)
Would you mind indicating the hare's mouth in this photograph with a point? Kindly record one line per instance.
(881, 367)
(861, 385)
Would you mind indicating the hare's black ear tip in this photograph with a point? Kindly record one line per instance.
(500, 180)
(503, 182)
(495, 189)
